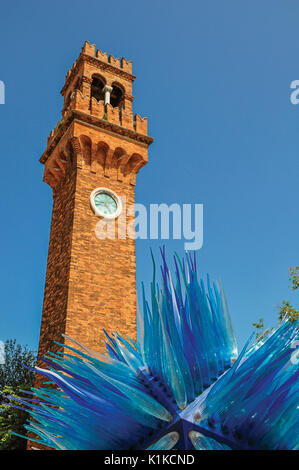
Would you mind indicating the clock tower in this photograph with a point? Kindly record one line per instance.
(91, 162)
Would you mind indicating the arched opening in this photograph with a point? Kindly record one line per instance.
(116, 97)
(97, 86)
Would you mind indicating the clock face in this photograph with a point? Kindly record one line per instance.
(106, 204)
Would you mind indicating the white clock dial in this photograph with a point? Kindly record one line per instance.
(105, 203)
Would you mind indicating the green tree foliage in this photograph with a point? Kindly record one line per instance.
(13, 379)
(12, 420)
(286, 310)
(261, 333)
(294, 277)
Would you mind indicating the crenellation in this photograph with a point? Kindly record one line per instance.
(103, 56)
(89, 49)
(113, 114)
(127, 119)
(97, 108)
(102, 63)
(140, 124)
(126, 65)
(114, 61)
(80, 101)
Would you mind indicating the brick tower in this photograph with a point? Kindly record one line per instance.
(91, 161)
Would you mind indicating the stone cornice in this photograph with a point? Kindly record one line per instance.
(96, 122)
(100, 65)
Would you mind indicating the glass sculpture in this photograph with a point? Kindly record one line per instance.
(181, 386)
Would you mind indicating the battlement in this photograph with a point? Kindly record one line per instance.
(98, 91)
(121, 67)
(111, 115)
(124, 64)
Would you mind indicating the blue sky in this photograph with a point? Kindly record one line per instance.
(213, 78)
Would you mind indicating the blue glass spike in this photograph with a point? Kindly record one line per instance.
(201, 442)
(166, 442)
(147, 403)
